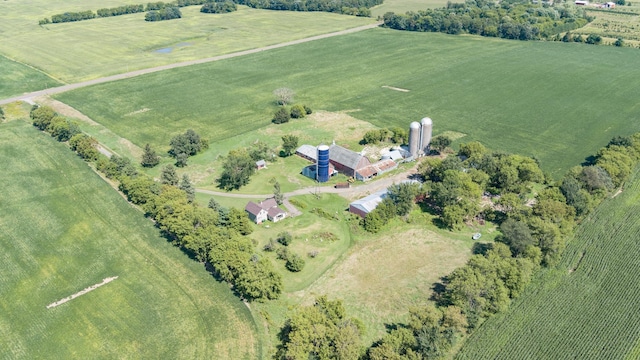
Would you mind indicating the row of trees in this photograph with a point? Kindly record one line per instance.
(216, 236)
(284, 114)
(592, 39)
(167, 13)
(350, 7)
(156, 11)
(510, 20)
(219, 7)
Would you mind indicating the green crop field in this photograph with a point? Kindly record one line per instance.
(105, 46)
(64, 229)
(16, 78)
(586, 307)
(555, 101)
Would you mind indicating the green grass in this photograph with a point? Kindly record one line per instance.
(64, 229)
(16, 78)
(584, 308)
(105, 46)
(554, 101)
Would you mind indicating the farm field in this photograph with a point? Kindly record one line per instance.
(613, 25)
(64, 229)
(402, 6)
(584, 308)
(553, 101)
(16, 78)
(83, 50)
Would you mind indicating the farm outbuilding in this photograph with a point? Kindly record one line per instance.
(261, 164)
(347, 161)
(341, 160)
(367, 204)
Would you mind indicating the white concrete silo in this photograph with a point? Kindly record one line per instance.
(425, 135)
(414, 139)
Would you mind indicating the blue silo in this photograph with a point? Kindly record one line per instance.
(322, 166)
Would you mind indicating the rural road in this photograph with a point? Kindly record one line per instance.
(68, 87)
(367, 188)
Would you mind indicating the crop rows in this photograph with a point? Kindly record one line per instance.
(590, 313)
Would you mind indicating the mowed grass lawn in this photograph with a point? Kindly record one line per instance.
(584, 308)
(558, 102)
(105, 46)
(63, 230)
(16, 78)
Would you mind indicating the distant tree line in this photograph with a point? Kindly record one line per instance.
(219, 7)
(156, 11)
(507, 19)
(348, 7)
(214, 236)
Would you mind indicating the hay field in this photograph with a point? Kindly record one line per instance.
(63, 230)
(90, 49)
(554, 101)
(584, 308)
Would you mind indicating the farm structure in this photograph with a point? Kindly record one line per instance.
(367, 204)
(420, 137)
(261, 165)
(265, 210)
(345, 161)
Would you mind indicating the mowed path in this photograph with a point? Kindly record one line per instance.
(68, 87)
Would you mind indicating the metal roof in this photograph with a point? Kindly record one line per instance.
(309, 151)
(346, 157)
(369, 203)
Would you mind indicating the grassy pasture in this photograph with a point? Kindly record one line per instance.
(16, 78)
(586, 307)
(105, 46)
(64, 229)
(558, 102)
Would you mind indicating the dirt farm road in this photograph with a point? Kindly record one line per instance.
(68, 87)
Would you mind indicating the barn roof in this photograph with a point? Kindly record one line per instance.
(367, 204)
(344, 156)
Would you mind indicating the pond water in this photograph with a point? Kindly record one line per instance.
(170, 49)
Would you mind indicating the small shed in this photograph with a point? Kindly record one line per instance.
(261, 164)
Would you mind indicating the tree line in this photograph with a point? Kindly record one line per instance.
(508, 19)
(214, 236)
(533, 229)
(155, 11)
(348, 7)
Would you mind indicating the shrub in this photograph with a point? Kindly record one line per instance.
(285, 238)
(313, 254)
(270, 246)
(295, 263)
(297, 112)
(298, 204)
(307, 110)
(281, 116)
